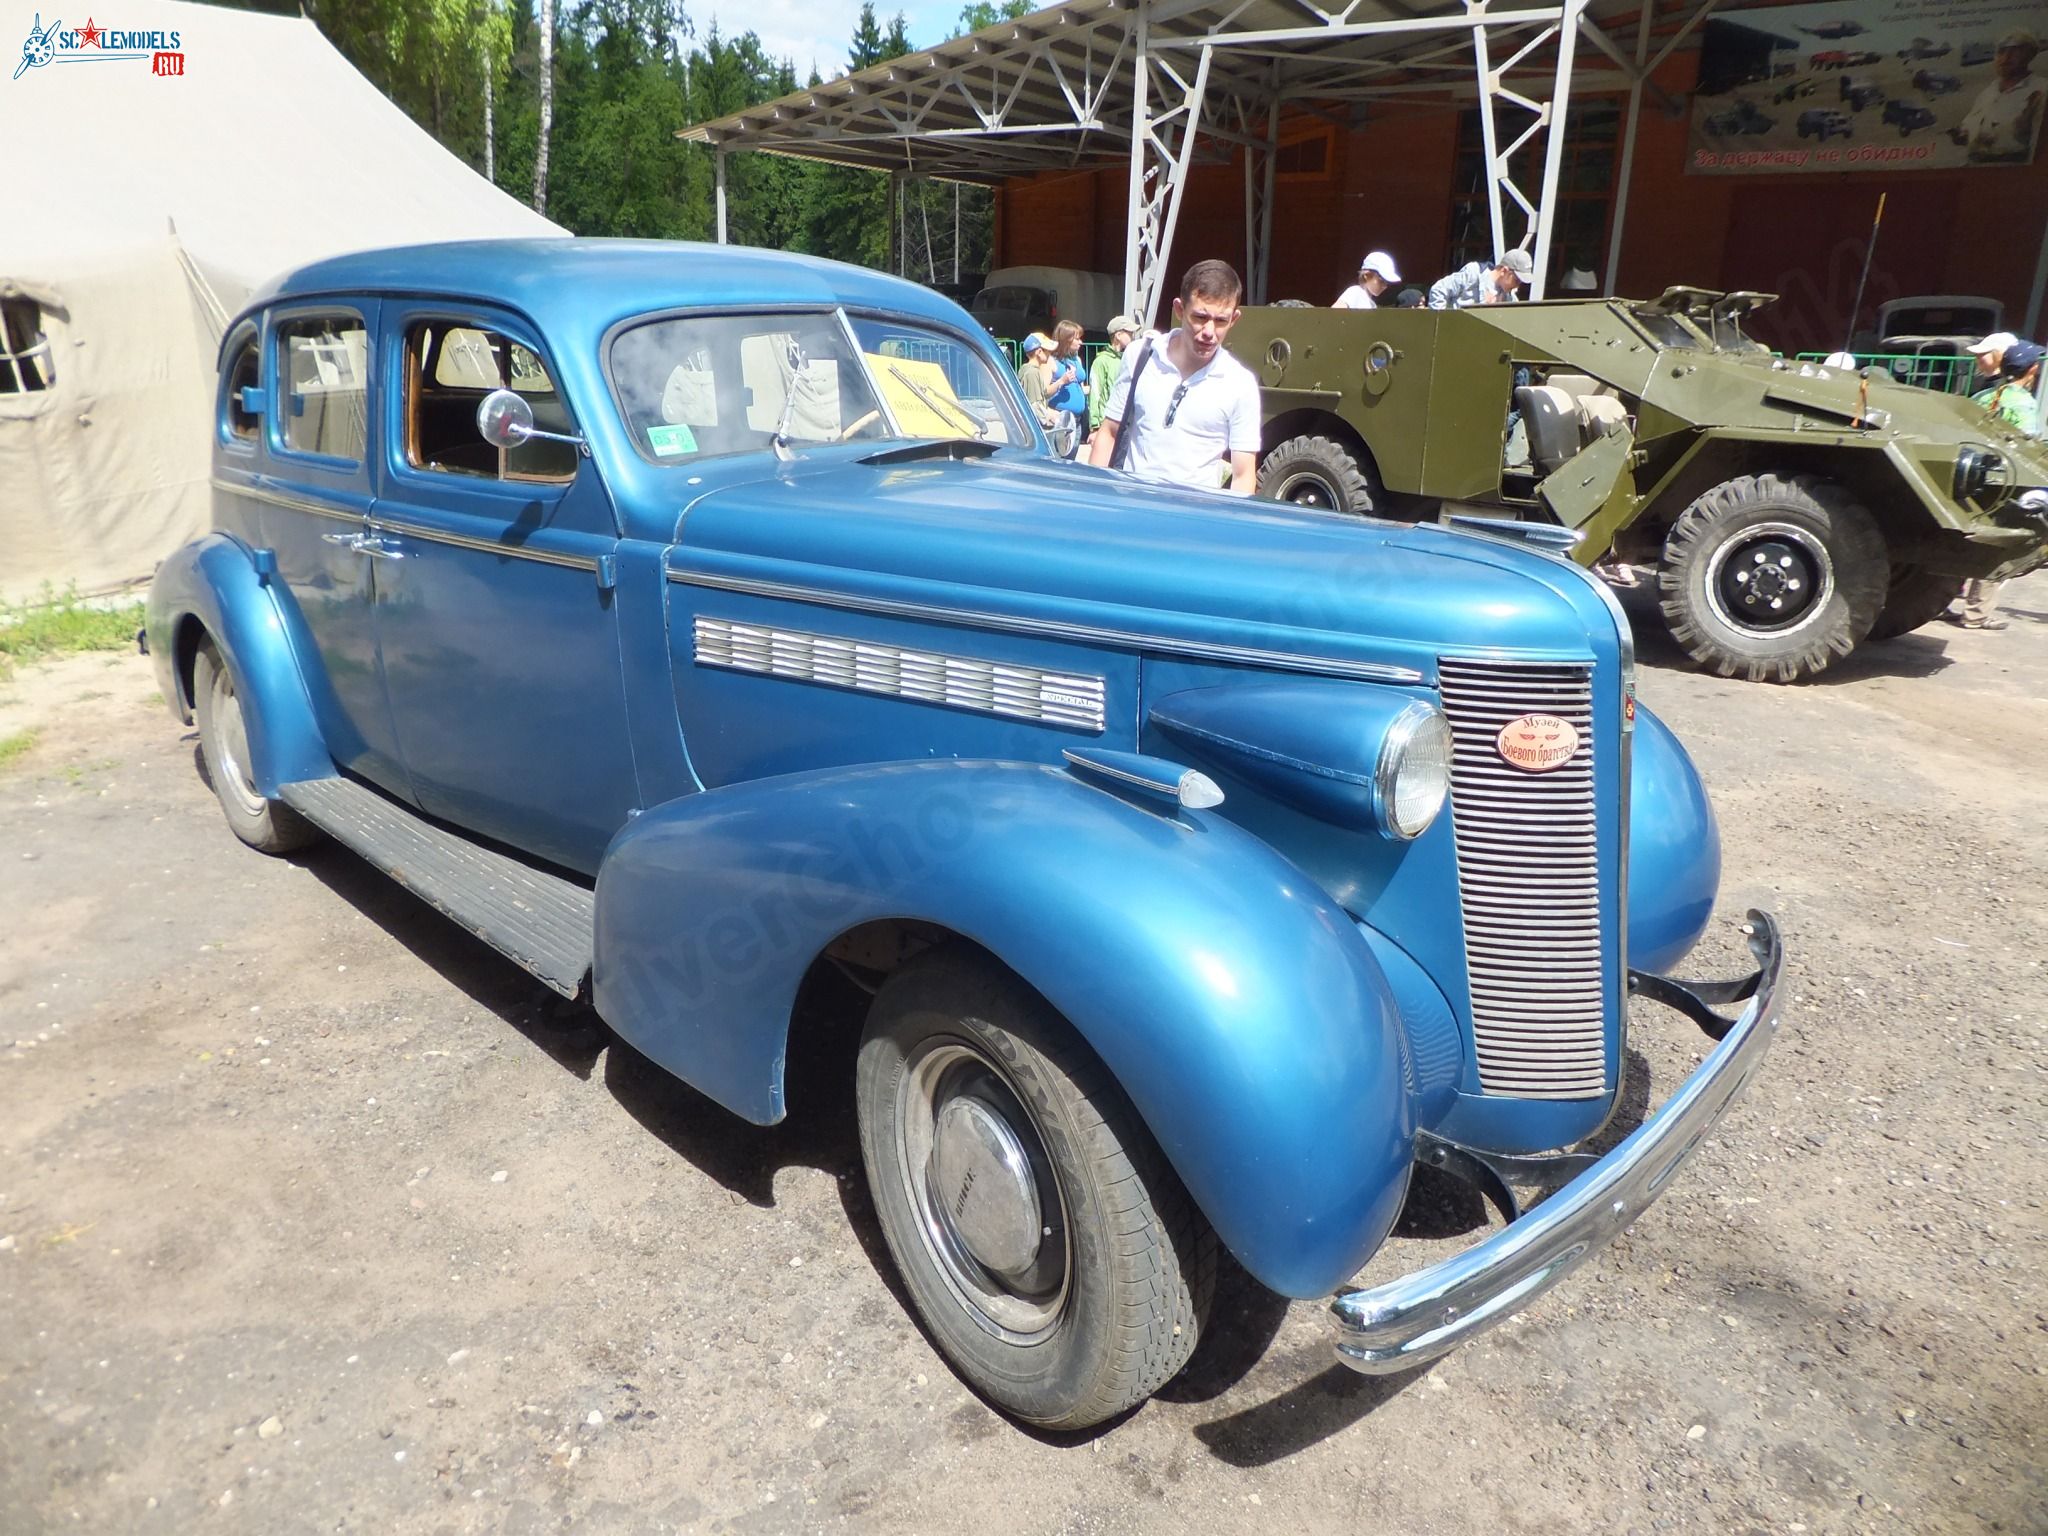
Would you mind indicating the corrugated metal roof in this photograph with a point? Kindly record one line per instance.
(1055, 89)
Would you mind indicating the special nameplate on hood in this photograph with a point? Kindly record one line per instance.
(1537, 743)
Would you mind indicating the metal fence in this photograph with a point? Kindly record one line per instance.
(1951, 373)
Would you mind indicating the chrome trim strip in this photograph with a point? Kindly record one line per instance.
(380, 524)
(1088, 762)
(931, 677)
(287, 501)
(1085, 634)
(1418, 1317)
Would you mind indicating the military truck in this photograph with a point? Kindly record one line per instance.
(1791, 510)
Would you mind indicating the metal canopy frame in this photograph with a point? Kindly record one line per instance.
(1162, 84)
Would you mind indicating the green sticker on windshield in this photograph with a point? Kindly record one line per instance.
(667, 442)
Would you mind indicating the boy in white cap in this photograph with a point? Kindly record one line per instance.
(1376, 275)
(1479, 282)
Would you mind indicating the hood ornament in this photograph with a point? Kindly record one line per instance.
(1537, 743)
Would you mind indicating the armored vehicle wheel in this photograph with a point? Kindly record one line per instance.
(1916, 597)
(1772, 578)
(1316, 472)
(267, 825)
(1049, 1248)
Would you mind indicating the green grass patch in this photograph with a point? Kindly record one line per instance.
(13, 746)
(56, 625)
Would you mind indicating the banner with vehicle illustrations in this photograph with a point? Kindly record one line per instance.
(1856, 85)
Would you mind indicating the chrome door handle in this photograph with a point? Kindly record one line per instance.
(374, 546)
(345, 540)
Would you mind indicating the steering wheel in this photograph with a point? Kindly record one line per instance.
(854, 426)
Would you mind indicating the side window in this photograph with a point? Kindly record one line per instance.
(324, 368)
(243, 371)
(449, 368)
(24, 350)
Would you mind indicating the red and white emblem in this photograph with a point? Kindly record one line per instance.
(1537, 743)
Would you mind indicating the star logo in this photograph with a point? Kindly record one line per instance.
(89, 35)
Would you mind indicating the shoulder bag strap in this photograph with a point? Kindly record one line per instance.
(1122, 450)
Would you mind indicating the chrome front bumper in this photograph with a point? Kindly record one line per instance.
(1420, 1316)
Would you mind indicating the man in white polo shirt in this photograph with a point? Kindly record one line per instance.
(1187, 405)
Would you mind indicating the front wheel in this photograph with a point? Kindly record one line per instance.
(1046, 1243)
(1316, 472)
(269, 826)
(1772, 578)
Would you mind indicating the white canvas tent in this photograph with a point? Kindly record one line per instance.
(143, 210)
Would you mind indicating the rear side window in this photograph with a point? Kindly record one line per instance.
(449, 368)
(243, 371)
(323, 369)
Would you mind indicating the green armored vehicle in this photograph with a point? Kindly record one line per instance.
(1791, 511)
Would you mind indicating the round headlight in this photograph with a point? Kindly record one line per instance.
(1414, 772)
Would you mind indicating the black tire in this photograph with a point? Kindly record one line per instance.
(1916, 597)
(1106, 1269)
(270, 826)
(1316, 472)
(1772, 578)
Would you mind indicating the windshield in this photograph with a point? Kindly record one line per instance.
(1665, 328)
(698, 387)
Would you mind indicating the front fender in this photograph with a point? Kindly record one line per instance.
(1238, 1006)
(1674, 850)
(215, 583)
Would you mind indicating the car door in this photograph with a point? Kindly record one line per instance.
(495, 624)
(307, 490)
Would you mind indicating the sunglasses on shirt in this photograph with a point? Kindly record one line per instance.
(1179, 395)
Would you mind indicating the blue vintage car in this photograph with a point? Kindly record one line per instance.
(695, 624)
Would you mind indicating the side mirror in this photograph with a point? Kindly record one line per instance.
(1065, 440)
(504, 419)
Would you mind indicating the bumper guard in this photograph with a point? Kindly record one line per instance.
(1418, 1317)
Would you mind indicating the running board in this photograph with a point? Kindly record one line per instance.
(542, 921)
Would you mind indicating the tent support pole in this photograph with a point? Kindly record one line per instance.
(1612, 271)
(1553, 145)
(2033, 325)
(720, 162)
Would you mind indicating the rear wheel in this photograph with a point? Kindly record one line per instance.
(1315, 471)
(1046, 1243)
(1916, 597)
(264, 824)
(1772, 578)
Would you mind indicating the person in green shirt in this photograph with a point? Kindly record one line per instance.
(2013, 399)
(1107, 368)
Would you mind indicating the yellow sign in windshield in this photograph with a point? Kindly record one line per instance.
(920, 397)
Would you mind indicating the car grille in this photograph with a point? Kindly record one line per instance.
(1529, 882)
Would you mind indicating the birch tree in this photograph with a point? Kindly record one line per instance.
(547, 105)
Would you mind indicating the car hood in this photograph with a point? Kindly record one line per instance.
(1029, 541)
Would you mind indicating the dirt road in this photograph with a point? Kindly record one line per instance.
(317, 1216)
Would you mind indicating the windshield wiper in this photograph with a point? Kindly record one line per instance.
(797, 363)
(976, 424)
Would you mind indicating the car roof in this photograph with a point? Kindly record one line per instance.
(583, 284)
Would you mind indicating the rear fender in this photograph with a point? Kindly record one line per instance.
(1239, 1007)
(215, 589)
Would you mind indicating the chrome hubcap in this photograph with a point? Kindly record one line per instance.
(1774, 577)
(989, 1209)
(231, 743)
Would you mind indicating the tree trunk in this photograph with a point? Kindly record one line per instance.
(490, 121)
(547, 105)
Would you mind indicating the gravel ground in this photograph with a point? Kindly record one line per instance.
(317, 1215)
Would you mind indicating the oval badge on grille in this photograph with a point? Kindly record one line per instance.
(1537, 743)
